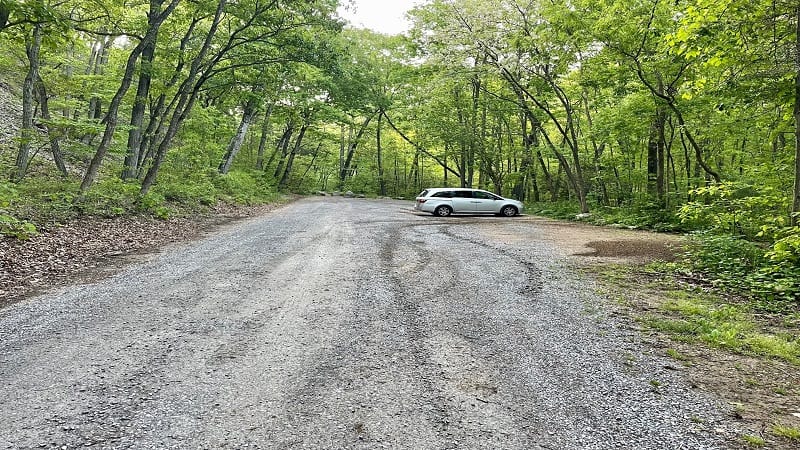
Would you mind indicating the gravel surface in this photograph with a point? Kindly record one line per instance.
(344, 323)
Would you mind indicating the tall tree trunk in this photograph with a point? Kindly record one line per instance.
(660, 157)
(528, 141)
(310, 165)
(652, 156)
(796, 200)
(283, 149)
(135, 135)
(97, 62)
(598, 151)
(262, 142)
(670, 102)
(54, 138)
(290, 162)
(476, 134)
(351, 148)
(237, 140)
(655, 149)
(161, 111)
(27, 131)
(148, 143)
(414, 172)
(381, 180)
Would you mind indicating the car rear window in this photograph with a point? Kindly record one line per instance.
(423, 193)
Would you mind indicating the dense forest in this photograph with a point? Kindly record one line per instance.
(680, 115)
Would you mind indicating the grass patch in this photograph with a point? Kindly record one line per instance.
(792, 433)
(690, 314)
(676, 355)
(720, 325)
(753, 440)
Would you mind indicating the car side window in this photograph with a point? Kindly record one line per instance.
(463, 194)
(485, 195)
(443, 194)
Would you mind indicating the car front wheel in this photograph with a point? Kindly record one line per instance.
(508, 211)
(442, 211)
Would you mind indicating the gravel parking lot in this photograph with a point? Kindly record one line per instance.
(344, 323)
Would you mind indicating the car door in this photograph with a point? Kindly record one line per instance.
(462, 202)
(485, 202)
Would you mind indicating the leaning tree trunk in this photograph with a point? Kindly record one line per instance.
(381, 180)
(282, 149)
(238, 139)
(290, 162)
(55, 140)
(351, 149)
(135, 135)
(27, 132)
(262, 143)
(796, 202)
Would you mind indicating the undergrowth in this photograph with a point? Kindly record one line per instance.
(38, 202)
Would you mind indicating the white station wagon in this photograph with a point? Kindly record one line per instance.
(446, 201)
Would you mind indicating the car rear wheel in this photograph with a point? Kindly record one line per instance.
(508, 211)
(442, 211)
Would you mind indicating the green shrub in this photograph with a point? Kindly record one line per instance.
(728, 257)
(188, 191)
(244, 187)
(8, 193)
(734, 208)
(13, 227)
(109, 197)
(769, 275)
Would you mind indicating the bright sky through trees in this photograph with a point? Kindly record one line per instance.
(386, 17)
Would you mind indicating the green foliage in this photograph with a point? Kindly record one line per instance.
(155, 204)
(771, 276)
(645, 215)
(726, 256)
(196, 190)
(110, 197)
(735, 208)
(13, 227)
(8, 193)
(246, 188)
(556, 210)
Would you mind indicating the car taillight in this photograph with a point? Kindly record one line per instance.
(421, 200)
